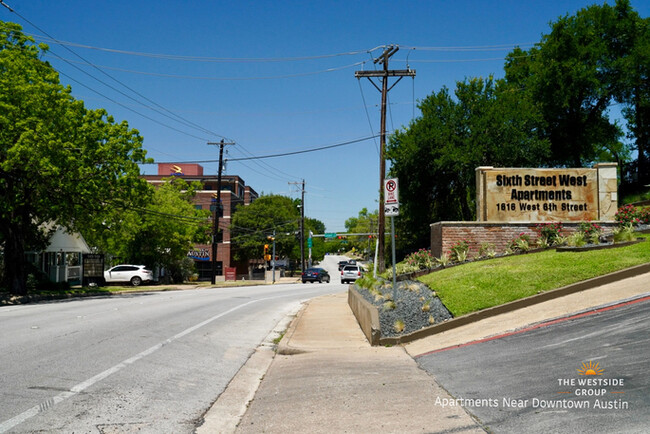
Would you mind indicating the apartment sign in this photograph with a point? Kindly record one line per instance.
(540, 195)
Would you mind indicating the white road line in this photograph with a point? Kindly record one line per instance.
(8, 424)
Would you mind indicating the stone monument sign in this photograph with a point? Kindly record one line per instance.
(545, 195)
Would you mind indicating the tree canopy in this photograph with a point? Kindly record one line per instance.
(550, 110)
(58, 160)
(589, 61)
(487, 123)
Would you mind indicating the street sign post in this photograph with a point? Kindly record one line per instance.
(391, 209)
(330, 235)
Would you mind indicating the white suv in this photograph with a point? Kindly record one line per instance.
(350, 273)
(135, 274)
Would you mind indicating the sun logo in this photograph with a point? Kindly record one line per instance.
(177, 169)
(590, 369)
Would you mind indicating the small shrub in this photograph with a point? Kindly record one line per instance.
(398, 326)
(487, 251)
(577, 239)
(461, 256)
(627, 214)
(561, 240)
(368, 282)
(412, 287)
(432, 320)
(426, 307)
(459, 251)
(542, 243)
(550, 231)
(422, 259)
(644, 216)
(592, 231)
(521, 243)
(389, 305)
(443, 260)
(625, 233)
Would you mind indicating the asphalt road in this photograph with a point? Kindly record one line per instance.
(149, 362)
(533, 382)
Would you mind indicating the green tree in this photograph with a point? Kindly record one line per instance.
(587, 62)
(58, 160)
(253, 224)
(488, 123)
(365, 223)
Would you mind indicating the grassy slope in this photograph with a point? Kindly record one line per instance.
(479, 285)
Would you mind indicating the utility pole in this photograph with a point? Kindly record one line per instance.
(217, 211)
(384, 74)
(302, 226)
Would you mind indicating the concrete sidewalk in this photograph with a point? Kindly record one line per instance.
(327, 378)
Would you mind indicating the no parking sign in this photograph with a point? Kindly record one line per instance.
(391, 197)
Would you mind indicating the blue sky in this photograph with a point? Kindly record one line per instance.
(278, 76)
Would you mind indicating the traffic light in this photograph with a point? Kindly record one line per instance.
(267, 256)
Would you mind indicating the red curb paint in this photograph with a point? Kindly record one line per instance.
(537, 326)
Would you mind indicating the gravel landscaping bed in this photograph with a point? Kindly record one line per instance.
(410, 297)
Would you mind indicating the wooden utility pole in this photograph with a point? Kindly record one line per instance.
(384, 74)
(218, 210)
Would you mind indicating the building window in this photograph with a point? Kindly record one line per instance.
(198, 206)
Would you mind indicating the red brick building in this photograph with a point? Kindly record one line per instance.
(233, 192)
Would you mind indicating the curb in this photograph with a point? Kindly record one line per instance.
(284, 348)
(365, 324)
(227, 411)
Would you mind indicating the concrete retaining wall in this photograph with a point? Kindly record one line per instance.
(366, 314)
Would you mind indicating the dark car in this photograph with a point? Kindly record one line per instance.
(315, 275)
(342, 264)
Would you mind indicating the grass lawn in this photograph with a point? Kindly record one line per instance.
(479, 285)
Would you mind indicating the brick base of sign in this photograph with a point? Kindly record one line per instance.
(445, 234)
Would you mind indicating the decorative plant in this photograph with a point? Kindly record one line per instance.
(550, 231)
(561, 240)
(577, 239)
(432, 320)
(459, 251)
(422, 259)
(627, 214)
(644, 216)
(398, 326)
(624, 233)
(443, 260)
(389, 305)
(461, 256)
(521, 243)
(487, 250)
(426, 307)
(542, 243)
(592, 231)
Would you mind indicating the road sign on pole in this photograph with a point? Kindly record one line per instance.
(391, 197)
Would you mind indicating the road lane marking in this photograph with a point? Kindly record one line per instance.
(49, 403)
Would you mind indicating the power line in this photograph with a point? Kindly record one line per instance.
(190, 77)
(198, 58)
(178, 118)
(284, 154)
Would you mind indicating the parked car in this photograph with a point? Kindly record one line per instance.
(315, 275)
(342, 264)
(134, 274)
(350, 273)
